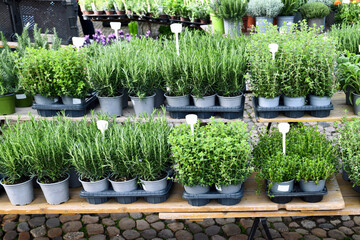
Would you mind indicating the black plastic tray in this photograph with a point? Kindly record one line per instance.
(127, 197)
(311, 197)
(292, 112)
(223, 199)
(79, 110)
(205, 113)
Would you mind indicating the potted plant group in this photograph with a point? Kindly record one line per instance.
(203, 157)
(315, 13)
(105, 78)
(264, 12)
(232, 11)
(86, 7)
(16, 169)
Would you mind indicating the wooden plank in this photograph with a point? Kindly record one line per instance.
(340, 110)
(10, 44)
(25, 114)
(251, 202)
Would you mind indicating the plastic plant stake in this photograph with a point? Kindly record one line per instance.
(191, 119)
(284, 129)
(78, 42)
(116, 27)
(176, 28)
(273, 49)
(93, 6)
(102, 125)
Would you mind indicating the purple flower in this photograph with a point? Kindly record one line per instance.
(87, 39)
(98, 32)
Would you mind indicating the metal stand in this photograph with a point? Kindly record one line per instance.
(256, 225)
(16, 22)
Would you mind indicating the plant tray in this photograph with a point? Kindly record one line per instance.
(127, 197)
(310, 197)
(291, 112)
(79, 110)
(205, 113)
(224, 199)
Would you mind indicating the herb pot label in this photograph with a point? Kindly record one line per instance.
(76, 101)
(20, 96)
(283, 188)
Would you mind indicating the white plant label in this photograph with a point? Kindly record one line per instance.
(283, 188)
(284, 128)
(115, 6)
(76, 101)
(218, 188)
(191, 119)
(20, 96)
(102, 125)
(56, 99)
(93, 6)
(273, 47)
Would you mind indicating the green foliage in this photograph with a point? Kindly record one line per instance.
(348, 13)
(348, 146)
(85, 5)
(304, 63)
(218, 153)
(53, 73)
(347, 37)
(265, 8)
(326, 2)
(290, 7)
(304, 143)
(8, 73)
(231, 9)
(349, 73)
(314, 10)
(104, 70)
(315, 170)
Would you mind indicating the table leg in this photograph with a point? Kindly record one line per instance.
(255, 227)
(268, 127)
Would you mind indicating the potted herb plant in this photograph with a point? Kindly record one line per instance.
(16, 169)
(120, 163)
(100, 6)
(231, 163)
(8, 82)
(104, 72)
(279, 171)
(232, 11)
(48, 155)
(313, 173)
(86, 7)
(140, 71)
(231, 85)
(109, 10)
(37, 76)
(315, 13)
(264, 71)
(264, 11)
(151, 153)
(350, 79)
(119, 7)
(191, 165)
(88, 153)
(286, 18)
(68, 66)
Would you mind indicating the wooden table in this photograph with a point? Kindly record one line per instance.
(340, 111)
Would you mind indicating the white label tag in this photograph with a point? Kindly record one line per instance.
(283, 188)
(20, 96)
(76, 101)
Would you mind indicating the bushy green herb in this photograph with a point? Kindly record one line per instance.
(53, 73)
(326, 2)
(315, 170)
(215, 154)
(8, 72)
(265, 8)
(231, 9)
(348, 13)
(314, 10)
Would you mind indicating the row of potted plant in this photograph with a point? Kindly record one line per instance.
(136, 151)
(301, 63)
(193, 10)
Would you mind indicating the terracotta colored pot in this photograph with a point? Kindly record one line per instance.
(250, 22)
(204, 21)
(275, 21)
(88, 12)
(109, 12)
(245, 22)
(120, 12)
(174, 18)
(184, 19)
(99, 12)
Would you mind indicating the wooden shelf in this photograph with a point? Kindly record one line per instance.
(175, 207)
(340, 111)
